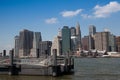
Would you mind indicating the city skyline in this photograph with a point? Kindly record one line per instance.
(16, 15)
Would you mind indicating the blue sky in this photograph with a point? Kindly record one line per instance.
(47, 16)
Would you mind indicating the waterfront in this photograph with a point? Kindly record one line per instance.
(91, 69)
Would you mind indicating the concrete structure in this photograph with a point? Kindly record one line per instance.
(16, 49)
(92, 31)
(85, 43)
(66, 41)
(102, 41)
(118, 43)
(25, 43)
(45, 48)
(56, 44)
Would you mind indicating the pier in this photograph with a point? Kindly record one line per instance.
(51, 66)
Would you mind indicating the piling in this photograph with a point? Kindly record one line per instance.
(38, 53)
(12, 68)
(54, 73)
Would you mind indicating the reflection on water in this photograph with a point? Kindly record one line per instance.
(85, 69)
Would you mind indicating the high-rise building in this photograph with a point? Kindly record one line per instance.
(16, 49)
(25, 42)
(74, 45)
(45, 48)
(85, 43)
(118, 43)
(56, 44)
(78, 34)
(73, 31)
(92, 31)
(36, 39)
(102, 41)
(112, 42)
(60, 32)
(66, 42)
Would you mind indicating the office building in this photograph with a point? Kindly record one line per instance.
(85, 43)
(92, 31)
(36, 39)
(66, 41)
(45, 48)
(74, 45)
(56, 44)
(112, 43)
(78, 34)
(25, 42)
(16, 49)
(102, 41)
(118, 43)
(73, 31)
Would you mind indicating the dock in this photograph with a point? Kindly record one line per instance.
(51, 66)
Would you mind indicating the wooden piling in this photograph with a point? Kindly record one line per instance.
(54, 73)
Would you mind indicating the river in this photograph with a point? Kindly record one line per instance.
(85, 69)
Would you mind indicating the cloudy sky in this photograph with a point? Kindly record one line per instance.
(47, 16)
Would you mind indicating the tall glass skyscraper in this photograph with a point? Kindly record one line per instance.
(66, 41)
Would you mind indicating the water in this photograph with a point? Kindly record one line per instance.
(85, 69)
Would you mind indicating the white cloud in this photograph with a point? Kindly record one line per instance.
(71, 13)
(86, 16)
(103, 11)
(106, 10)
(51, 21)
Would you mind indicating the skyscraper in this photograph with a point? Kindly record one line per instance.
(56, 44)
(45, 48)
(16, 49)
(25, 42)
(118, 43)
(73, 31)
(66, 42)
(112, 42)
(36, 39)
(102, 41)
(85, 43)
(92, 31)
(78, 34)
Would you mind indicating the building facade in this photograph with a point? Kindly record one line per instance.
(73, 31)
(78, 35)
(36, 40)
(16, 49)
(118, 43)
(112, 43)
(85, 43)
(56, 44)
(26, 42)
(45, 48)
(66, 41)
(102, 41)
(92, 31)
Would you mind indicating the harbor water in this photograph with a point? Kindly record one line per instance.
(84, 69)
